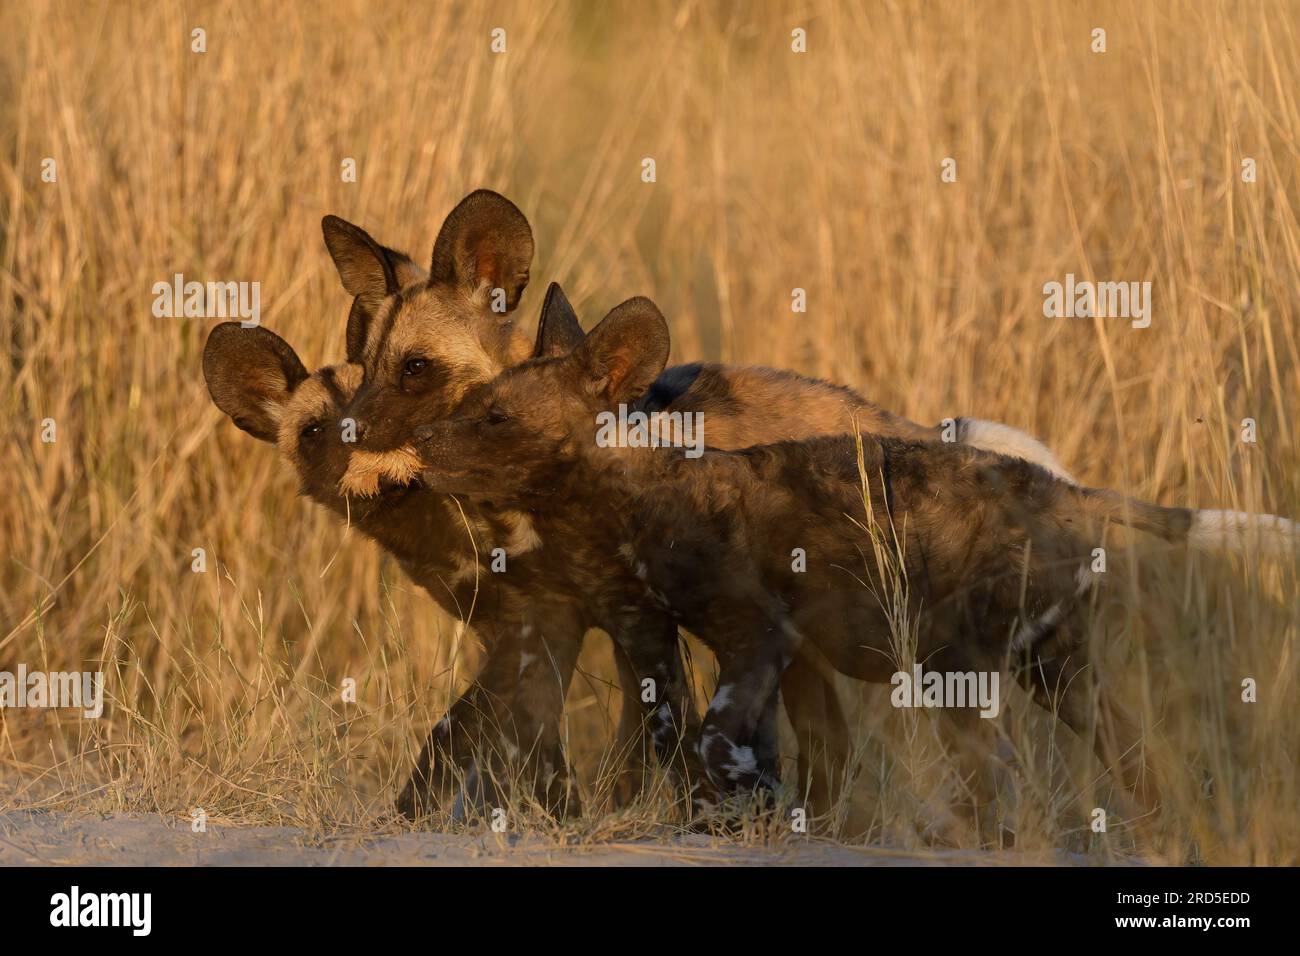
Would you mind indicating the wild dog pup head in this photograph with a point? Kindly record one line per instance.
(519, 435)
(256, 378)
(425, 339)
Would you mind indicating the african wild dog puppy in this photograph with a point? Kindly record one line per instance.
(426, 339)
(257, 379)
(995, 551)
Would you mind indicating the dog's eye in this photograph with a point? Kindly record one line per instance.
(415, 366)
(496, 416)
(311, 430)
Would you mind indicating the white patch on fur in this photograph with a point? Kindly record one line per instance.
(525, 659)
(743, 762)
(1005, 440)
(523, 536)
(1029, 633)
(1234, 530)
(721, 699)
(702, 746)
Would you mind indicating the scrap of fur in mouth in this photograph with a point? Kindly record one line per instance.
(370, 471)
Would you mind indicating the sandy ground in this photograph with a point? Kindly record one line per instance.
(42, 838)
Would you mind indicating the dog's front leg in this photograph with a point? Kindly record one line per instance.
(464, 737)
(508, 722)
(654, 675)
(738, 756)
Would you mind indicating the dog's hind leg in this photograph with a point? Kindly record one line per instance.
(821, 731)
(982, 758)
(1062, 680)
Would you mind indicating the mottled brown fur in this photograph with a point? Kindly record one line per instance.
(990, 547)
(447, 328)
(754, 405)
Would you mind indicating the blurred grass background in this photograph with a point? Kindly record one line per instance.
(774, 171)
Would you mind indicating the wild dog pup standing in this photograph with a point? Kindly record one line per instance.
(515, 706)
(425, 338)
(995, 551)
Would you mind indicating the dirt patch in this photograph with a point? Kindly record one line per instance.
(41, 838)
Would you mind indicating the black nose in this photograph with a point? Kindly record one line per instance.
(424, 432)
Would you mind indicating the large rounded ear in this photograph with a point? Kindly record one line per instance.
(558, 329)
(486, 239)
(250, 374)
(623, 355)
(369, 271)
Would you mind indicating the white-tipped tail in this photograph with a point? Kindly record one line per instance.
(1239, 531)
(1005, 440)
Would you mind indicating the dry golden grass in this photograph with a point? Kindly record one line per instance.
(775, 171)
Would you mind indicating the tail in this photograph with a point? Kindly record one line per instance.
(1202, 530)
(1005, 440)
(1235, 530)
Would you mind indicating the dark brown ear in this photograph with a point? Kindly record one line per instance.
(485, 239)
(626, 352)
(250, 374)
(369, 271)
(558, 329)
